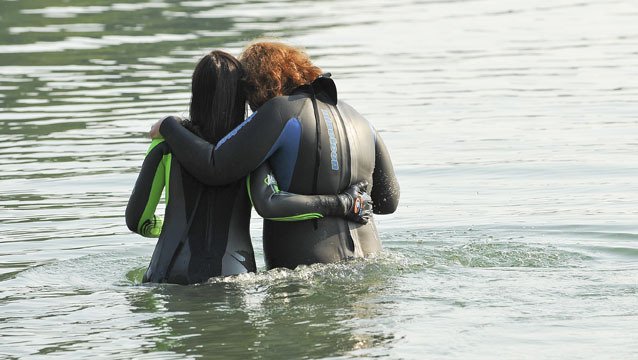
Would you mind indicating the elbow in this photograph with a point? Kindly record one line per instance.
(205, 172)
(131, 221)
(386, 208)
(263, 210)
(388, 203)
(209, 175)
(131, 225)
(394, 203)
(258, 208)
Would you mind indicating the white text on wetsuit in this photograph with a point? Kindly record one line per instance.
(333, 140)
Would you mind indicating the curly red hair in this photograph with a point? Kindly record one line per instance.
(274, 69)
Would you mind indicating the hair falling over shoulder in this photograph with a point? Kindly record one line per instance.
(218, 101)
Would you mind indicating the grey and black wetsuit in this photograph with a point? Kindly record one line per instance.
(205, 231)
(314, 145)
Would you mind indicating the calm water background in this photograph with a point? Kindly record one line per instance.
(513, 128)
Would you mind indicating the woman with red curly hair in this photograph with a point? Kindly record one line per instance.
(314, 144)
(275, 69)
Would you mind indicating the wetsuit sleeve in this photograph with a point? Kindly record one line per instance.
(385, 187)
(235, 155)
(140, 211)
(274, 204)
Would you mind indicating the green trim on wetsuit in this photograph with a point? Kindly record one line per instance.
(250, 196)
(154, 143)
(301, 217)
(149, 224)
(166, 161)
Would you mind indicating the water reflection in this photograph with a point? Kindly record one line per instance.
(312, 312)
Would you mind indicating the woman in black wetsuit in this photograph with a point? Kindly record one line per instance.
(205, 232)
(314, 144)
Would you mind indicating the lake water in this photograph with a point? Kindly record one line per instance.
(514, 132)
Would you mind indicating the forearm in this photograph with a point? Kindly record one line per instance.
(385, 188)
(273, 204)
(241, 151)
(284, 206)
(194, 153)
(140, 217)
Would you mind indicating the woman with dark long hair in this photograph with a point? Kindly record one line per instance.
(205, 232)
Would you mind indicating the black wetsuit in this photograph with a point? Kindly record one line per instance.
(315, 145)
(205, 231)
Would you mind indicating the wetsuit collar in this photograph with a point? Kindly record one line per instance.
(324, 88)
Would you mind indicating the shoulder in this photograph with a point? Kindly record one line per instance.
(351, 113)
(345, 107)
(356, 118)
(284, 105)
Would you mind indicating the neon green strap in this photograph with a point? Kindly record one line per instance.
(301, 217)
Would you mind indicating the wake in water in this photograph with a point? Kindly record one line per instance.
(466, 279)
(405, 252)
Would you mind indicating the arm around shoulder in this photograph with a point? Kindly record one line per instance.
(241, 151)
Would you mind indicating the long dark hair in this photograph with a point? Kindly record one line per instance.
(218, 102)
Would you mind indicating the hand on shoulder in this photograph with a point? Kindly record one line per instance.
(154, 133)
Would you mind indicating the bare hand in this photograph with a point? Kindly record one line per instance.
(155, 133)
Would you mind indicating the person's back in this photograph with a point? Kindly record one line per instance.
(216, 240)
(335, 148)
(205, 228)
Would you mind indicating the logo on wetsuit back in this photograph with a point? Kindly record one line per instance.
(333, 140)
